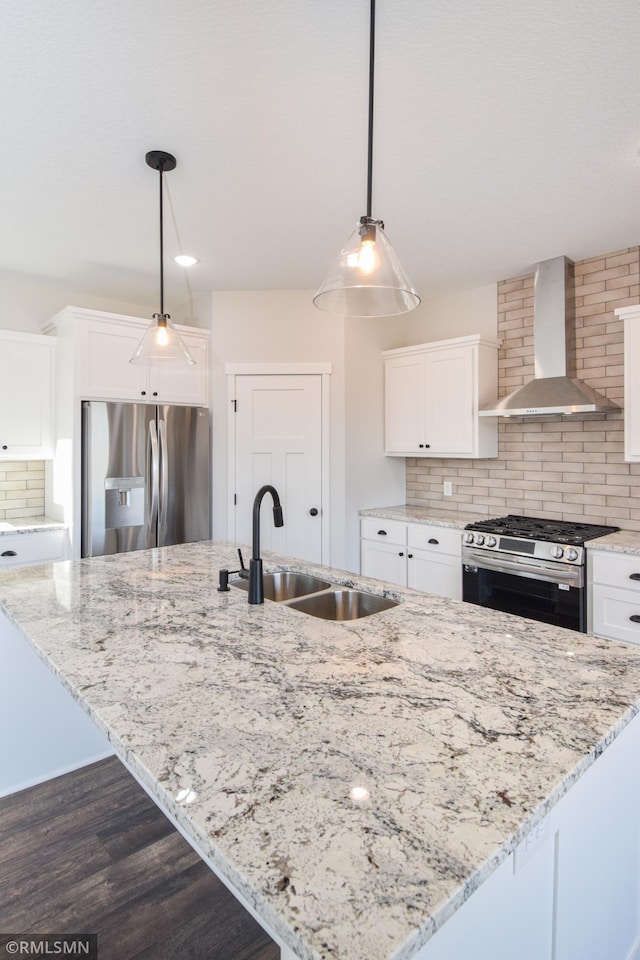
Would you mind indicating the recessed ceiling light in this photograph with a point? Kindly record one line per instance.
(185, 261)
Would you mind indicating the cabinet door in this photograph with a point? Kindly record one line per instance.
(449, 401)
(175, 383)
(440, 574)
(26, 399)
(384, 561)
(404, 404)
(615, 613)
(105, 371)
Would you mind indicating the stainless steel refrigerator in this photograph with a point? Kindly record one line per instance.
(145, 476)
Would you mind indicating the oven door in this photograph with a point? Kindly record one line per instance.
(550, 592)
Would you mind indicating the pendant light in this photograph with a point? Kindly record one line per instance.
(368, 279)
(161, 342)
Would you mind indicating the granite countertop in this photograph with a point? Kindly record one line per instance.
(624, 541)
(253, 726)
(29, 525)
(435, 516)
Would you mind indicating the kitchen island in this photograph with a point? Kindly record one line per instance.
(354, 783)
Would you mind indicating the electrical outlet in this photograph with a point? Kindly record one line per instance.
(448, 488)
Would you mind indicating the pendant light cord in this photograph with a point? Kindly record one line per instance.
(161, 249)
(372, 43)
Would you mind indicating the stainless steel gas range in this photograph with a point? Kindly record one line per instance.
(531, 567)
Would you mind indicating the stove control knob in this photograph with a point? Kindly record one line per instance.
(491, 541)
(468, 537)
(557, 552)
(480, 539)
(572, 554)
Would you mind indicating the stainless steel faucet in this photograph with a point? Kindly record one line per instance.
(256, 582)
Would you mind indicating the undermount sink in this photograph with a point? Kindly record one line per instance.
(342, 604)
(285, 585)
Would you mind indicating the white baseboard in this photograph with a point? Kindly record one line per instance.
(52, 774)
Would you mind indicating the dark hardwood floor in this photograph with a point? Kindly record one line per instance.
(89, 852)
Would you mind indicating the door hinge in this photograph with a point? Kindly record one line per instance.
(235, 406)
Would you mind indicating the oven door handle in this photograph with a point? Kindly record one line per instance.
(568, 575)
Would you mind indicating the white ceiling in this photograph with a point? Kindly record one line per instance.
(506, 132)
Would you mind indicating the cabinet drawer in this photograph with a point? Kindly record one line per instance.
(616, 569)
(389, 531)
(438, 539)
(31, 548)
(612, 612)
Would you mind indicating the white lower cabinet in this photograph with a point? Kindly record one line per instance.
(571, 889)
(21, 549)
(614, 595)
(416, 555)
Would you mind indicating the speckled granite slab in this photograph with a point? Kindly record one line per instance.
(354, 781)
(438, 517)
(29, 525)
(624, 541)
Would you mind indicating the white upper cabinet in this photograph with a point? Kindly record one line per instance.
(433, 393)
(103, 346)
(631, 317)
(27, 363)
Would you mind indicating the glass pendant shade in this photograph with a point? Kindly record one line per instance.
(162, 344)
(368, 279)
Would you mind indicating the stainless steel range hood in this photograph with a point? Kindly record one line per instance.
(555, 390)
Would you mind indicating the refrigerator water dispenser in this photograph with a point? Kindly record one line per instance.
(123, 502)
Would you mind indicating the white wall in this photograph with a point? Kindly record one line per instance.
(28, 301)
(283, 325)
(371, 479)
(268, 326)
(458, 315)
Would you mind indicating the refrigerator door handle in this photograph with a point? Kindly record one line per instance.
(152, 485)
(163, 481)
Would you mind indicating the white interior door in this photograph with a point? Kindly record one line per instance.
(278, 440)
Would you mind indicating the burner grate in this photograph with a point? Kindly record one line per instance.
(535, 528)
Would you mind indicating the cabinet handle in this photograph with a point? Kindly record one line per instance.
(143, 393)
(427, 445)
(155, 393)
(421, 445)
(4, 446)
(382, 533)
(634, 576)
(401, 554)
(635, 618)
(410, 556)
(433, 540)
(313, 512)
(9, 553)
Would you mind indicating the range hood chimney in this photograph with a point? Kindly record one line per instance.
(555, 391)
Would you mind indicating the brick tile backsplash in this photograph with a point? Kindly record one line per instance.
(21, 489)
(557, 469)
